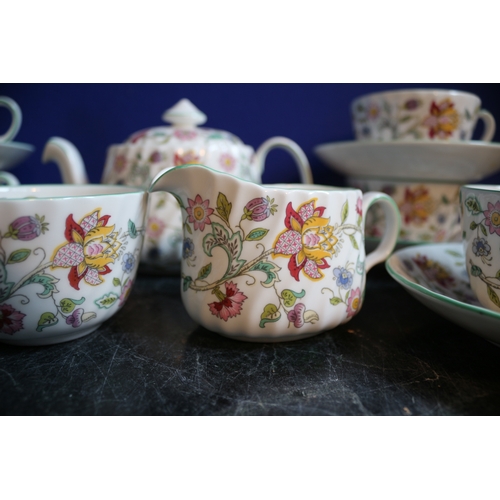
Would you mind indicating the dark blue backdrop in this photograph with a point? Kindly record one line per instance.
(94, 116)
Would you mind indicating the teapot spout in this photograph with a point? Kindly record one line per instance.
(67, 158)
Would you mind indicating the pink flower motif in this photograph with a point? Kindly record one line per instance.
(227, 162)
(155, 157)
(199, 212)
(11, 321)
(296, 315)
(492, 215)
(185, 158)
(259, 209)
(155, 227)
(27, 228)
(353, 302)
(75, 318)
(120, 163)
(185, 135)
(359, 207)
(126, 291)
(230, 303)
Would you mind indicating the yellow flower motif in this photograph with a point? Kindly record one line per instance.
(308, 240)
(443, 119)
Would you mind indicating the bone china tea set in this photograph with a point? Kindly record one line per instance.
(260, 263)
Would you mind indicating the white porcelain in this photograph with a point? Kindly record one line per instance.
(137, 161)
(435, 275)
(8, 179)
(417, 114)
(13, 153)
(430, 211)
(16, 118)
(457, 162)
(68, 258)
(480, 211)
(274, 262)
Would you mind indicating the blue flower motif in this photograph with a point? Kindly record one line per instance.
(128, 262)
(480, 247)
(187, 248)
(344, 277)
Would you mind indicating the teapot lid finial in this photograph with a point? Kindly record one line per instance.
(183, 114)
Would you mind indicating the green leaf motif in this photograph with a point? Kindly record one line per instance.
(188, 229)
(67, 305)
(5, 286)
(205, 271)
(344, 212)
(476, 271)
(18, 256)
(473, 225)
(271, 314)
(232, 245)
(47, 281)
(270, 269)
(117, 282)
(186, 282)
(290, 297)
(132, 230)
(335, 301)
(483, 229)
(223, 207)
(473, 206)
(353, 241)
(46, 319)
(107, 300)
(493, 296)
(256, 234)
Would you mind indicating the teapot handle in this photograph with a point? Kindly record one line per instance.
(293, 148)
(7, 179)
(68, 159)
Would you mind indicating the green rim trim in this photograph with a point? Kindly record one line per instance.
(425, 291)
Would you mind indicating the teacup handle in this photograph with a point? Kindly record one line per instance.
(17, 118)
(293, 148)
(392, 227)
(489, 125)
(7, 179)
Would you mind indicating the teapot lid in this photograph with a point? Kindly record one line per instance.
(184, 114)
(184, 118)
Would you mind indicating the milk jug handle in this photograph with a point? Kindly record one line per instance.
(68, 159)
(293, 148)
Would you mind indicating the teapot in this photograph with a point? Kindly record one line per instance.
(271, 263)
(147, 152)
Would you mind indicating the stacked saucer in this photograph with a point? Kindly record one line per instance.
(416, 146)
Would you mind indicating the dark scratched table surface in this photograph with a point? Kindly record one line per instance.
(395, 358)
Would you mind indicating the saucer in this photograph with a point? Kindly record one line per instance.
(435, 275)
(12, 153)
(459, 162)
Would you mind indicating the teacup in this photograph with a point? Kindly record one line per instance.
(68, 258)
(480, 216)
(430, 211)
(15, 124)
(419, 114)
(269, 263)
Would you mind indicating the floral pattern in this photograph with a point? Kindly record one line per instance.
(485, 228)
(387, 120)
(309, 240)
(91, 249)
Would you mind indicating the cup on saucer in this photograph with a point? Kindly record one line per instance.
(419, 114)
